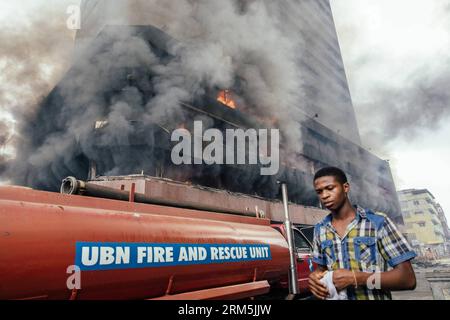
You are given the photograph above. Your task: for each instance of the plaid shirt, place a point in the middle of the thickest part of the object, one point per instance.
(371, 243)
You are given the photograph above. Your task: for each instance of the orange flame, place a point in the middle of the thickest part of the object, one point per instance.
(225, 98)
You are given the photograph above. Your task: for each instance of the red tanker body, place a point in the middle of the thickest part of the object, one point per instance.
(128, 250)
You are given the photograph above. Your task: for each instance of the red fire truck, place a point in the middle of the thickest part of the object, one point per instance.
(96, 242)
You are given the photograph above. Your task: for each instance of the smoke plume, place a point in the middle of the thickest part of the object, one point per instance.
(423, 104)
(134, 86)
(221, 41)
(34, 53)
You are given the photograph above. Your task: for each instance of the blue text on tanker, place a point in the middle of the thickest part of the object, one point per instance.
(108, 256)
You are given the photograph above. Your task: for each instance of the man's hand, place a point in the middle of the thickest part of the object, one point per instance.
(402, 277)
(317, 288)
(343, 278)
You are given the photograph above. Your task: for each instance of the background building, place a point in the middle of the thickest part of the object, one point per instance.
(423, 222)
(444, 223)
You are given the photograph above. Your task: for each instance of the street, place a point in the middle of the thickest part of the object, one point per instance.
(423, 289)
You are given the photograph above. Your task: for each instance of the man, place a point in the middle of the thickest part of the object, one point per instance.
(369, 257)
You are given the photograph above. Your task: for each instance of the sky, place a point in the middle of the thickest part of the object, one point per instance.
(397, 58)
(391, 48)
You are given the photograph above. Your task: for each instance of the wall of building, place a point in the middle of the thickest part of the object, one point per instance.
(328, 98)
(443, 220)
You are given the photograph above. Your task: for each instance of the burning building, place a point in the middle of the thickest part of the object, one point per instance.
(142, 69)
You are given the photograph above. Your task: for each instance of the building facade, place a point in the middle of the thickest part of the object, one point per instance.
(424, 226)
(444, 222)
(113, 81)
(308, 23)
(328, 97)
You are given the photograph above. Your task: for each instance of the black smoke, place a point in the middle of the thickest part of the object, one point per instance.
(403, 113)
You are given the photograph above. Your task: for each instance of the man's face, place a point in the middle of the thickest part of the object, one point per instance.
(331, 192)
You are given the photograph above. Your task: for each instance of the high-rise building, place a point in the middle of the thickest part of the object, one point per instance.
(116, 81)
(423, 222)
(327, 97)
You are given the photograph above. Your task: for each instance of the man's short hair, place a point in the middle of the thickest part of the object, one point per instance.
(331, 172)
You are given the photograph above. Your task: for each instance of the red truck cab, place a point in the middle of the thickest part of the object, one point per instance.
(304, 253)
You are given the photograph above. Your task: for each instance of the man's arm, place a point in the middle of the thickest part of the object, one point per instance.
(402, 277)
(317, 288)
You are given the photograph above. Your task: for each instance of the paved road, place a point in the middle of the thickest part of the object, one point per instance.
(423, 289)
(422, 292)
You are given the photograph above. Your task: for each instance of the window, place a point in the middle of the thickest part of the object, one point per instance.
(301, 244)
(308, 232)
(431, 211)
(421, 224)
(416, 202)
(418, 212)
(438, 234)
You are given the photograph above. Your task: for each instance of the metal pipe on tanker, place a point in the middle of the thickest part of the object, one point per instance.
(71, 185)
(293, 276)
